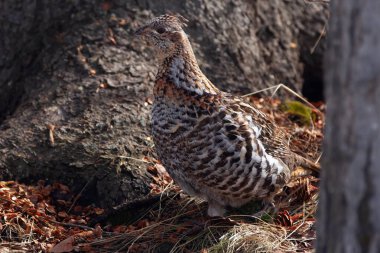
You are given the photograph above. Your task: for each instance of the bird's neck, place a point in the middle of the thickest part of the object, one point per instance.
(182, 70)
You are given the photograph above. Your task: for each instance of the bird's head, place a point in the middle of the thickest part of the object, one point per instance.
(164, 34)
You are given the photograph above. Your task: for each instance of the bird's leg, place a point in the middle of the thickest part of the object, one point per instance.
(215, 209)
(269, 205)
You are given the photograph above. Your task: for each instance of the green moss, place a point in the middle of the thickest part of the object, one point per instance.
(304, 113)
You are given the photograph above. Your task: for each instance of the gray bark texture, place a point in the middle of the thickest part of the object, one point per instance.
(74, 65)
(349, 207)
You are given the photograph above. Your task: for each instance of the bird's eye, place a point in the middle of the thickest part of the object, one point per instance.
(161, 30)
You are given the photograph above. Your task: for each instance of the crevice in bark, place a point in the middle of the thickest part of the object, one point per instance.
(365, 236)
(15, 89)
(27, 30)
(312, 75)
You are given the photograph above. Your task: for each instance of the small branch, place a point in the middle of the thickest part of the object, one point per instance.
(323, 32)
(79, 194)
(71, 225)
(277, 87)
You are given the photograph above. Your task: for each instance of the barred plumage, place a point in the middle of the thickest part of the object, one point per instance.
(213, 144)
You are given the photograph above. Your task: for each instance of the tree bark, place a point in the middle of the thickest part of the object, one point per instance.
(74, 66)
(27, 28)
(350, 191)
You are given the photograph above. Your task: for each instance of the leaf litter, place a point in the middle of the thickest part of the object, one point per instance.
(46, 218)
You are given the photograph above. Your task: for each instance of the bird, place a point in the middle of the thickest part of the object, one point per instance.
(214, 145)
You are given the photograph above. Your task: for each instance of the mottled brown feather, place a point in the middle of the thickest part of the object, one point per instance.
(213, 144)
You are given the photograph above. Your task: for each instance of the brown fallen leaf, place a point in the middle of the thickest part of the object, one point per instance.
(51, 129)
(62, 214)
(64, 246)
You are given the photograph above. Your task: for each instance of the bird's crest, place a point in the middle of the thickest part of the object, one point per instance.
(175, 21)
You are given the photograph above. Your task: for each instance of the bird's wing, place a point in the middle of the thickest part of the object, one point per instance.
(229, 155)
(275, 140)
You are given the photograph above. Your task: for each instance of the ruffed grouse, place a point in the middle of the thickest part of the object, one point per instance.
(214, 145)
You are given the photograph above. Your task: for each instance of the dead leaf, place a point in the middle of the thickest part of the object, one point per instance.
(98, 211)
(123, 22)
(111, 36)
(106, 6)
(62, 214)
(92, 72)
(64, 246)
(293, 45)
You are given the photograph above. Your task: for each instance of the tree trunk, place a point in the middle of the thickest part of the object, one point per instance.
(73, 65)
(349, 206)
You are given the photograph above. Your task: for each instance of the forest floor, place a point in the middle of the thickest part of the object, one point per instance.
(50, 217)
